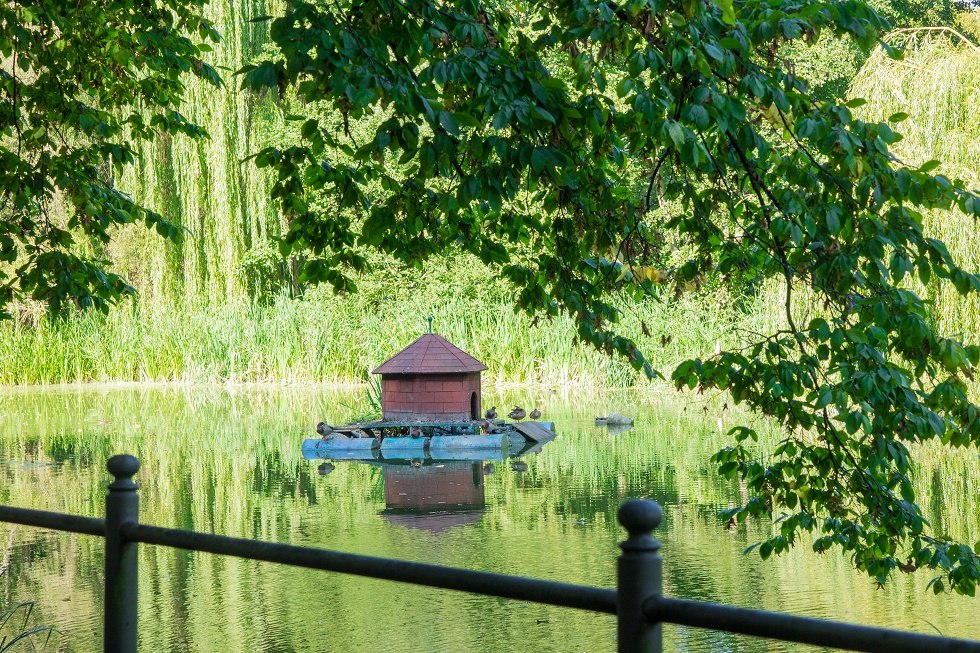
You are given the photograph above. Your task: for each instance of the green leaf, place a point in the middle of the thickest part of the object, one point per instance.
(677, 134)
(907, 493)
(263, 76)
(833, 223)
(765, 549)
(714, 51)
(727, 11)
(538, 160)
(540, 112)
(448, 122)
(624, 86)
(825, 399)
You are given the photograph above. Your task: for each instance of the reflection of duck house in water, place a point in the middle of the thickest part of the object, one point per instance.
(434, 497)
(431, 405)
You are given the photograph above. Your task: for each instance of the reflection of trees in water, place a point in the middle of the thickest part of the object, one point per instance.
(232, 464)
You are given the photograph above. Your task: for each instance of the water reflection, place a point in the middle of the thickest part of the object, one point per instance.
(617, 429)
(434, 495)
(431, 493)
(230, 462)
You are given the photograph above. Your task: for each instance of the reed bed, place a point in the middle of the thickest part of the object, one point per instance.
(329, 339)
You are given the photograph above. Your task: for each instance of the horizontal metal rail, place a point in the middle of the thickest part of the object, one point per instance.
(53, 520)
(418, 573)
(804, 630)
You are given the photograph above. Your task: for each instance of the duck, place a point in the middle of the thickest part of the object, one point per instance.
(535, 414)
(517, 414)
(324, 429)
(492, 413)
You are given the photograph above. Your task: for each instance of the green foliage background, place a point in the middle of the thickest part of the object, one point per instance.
(222, 305)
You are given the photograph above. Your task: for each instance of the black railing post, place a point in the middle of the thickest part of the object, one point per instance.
(640, 576)
(121, 507)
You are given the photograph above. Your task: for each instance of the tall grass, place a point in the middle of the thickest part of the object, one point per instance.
(14, 632)
(325, 338)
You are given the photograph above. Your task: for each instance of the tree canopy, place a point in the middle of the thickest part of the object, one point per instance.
(80, 85)
(557, 141)
(560, 143)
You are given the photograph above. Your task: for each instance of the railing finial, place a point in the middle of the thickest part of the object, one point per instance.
(123, 467)
(640, 517)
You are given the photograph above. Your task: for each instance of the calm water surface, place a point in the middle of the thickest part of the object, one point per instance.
(230, 462)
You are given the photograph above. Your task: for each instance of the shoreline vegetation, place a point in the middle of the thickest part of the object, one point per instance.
(338, 340)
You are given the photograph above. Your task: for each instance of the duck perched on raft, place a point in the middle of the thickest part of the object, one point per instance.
(492, 413)
(535, 414)
(517, 414)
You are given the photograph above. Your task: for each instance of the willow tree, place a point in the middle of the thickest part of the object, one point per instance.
(518, 132)
(81, 83)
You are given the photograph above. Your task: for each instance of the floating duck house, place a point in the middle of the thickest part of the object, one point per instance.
(431, 380)
(431, 410)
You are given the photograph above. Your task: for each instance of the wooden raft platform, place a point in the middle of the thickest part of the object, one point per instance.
(411, 440)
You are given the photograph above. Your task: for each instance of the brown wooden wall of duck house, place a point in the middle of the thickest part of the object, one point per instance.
(430, 397)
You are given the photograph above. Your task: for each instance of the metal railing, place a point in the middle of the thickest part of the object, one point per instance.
(637, 602)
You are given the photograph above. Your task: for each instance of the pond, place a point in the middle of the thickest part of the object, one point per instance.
(229, 461)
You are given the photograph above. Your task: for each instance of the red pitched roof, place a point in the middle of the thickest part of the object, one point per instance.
(430, 354)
